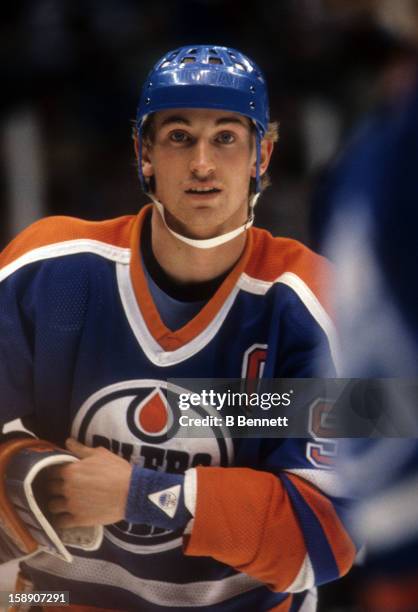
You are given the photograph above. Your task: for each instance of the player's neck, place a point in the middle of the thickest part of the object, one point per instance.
(185, 263)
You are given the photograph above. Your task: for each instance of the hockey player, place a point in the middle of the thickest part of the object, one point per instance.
(97, 316)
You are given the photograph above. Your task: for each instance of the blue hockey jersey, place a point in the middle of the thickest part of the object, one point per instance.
(84, 352)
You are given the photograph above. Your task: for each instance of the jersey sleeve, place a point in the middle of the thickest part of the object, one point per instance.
(23, 295)
(16, 333)
(280, 529)
(42, 303)
(16, 358)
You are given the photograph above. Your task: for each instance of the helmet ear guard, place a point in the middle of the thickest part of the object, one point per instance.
(210, 77)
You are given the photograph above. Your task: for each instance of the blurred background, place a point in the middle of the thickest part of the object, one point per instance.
(71, 76)
(72, 71)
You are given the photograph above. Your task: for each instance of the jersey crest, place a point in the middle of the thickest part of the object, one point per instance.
(139, 420)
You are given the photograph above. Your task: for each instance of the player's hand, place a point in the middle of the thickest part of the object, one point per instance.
(92, 491)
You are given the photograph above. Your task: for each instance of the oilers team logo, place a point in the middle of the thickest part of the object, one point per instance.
(139, 421)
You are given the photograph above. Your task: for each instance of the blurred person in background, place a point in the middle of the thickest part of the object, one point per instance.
(367, 204)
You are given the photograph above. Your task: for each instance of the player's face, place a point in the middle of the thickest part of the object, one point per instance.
(202, 162)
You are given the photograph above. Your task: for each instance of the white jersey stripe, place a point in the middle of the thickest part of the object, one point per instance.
(305, 578)
(310, 602)
(325, 480)
(308, 298)
(68, 247)
(157, 592)
(155, 353)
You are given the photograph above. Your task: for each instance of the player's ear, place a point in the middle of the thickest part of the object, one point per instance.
(266, 151)
(147, 169)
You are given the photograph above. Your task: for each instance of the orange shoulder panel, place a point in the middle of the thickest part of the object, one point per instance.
(52, 230)
(271, 257)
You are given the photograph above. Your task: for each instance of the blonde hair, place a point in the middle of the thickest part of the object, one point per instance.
(271, 135)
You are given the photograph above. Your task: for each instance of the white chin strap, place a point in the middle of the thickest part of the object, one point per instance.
(209, 243)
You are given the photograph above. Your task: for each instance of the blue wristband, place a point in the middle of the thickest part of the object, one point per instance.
(157, 499)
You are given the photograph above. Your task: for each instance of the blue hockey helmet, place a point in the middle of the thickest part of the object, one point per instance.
(206, 76)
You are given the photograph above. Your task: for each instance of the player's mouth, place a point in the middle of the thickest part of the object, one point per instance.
(203, 192)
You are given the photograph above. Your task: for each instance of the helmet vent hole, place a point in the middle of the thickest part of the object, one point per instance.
(240, 66)
(165, 64)
(215, 60)
(192, 50)
(188, 60)
(213, 51)
(173, 55)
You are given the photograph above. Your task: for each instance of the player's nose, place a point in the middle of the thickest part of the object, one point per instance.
(202, 163)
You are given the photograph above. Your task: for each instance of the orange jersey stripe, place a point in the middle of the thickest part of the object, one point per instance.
(340, 542)
(171, 340)
(53, 230)
(271, 257)
(245, 519)
(264, 258)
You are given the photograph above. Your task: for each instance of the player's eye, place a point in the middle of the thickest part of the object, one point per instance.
(225, 138)
(179, 136)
